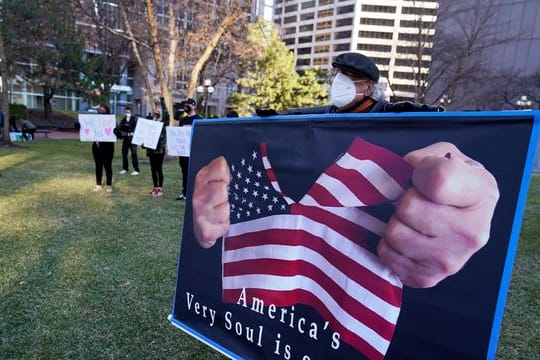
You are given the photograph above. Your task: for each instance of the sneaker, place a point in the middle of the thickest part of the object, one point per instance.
(122, 172)
(135, 173)
(109, 189)
(181, 197)
(153, 192)
(159, 192)
(97, 188)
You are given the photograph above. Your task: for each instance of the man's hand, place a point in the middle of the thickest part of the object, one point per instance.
(211, 202)
(442, 220)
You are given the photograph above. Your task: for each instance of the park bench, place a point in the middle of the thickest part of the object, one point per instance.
(43, 130)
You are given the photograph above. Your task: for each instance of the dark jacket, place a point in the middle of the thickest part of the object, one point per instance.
(127, 128)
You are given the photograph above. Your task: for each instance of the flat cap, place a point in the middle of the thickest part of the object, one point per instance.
(358, 64)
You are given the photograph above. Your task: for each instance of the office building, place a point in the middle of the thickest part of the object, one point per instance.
(396, 34)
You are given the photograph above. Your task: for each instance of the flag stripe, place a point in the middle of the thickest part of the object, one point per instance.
(323, 302)
(361, 264)
(268, 253)
(399, 169)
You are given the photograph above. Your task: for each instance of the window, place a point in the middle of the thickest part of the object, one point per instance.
(289, 30)
(323, 37)
(289, 19)
(342, 47)
(375, 35)
(414, 50)
(324, 25)
(415, 37)
(418, 11)
(303, 62)
(290, 41)
(342, 35)
(379, 9)
(320, 61)
(380, 61)
(304, 28)
(379, 22)
(307, 5)
(303, 51)
(325, 2)
(321, 49)
(411, 62)
(345, 9)
(374, 47)
(308, 16)
(325, 13)
(416, 24)
(291, 8)
(305, 39)
(344, 22)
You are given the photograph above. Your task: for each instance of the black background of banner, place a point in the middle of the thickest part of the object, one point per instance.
(450, 321)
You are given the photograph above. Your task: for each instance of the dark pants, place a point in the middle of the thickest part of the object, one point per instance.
(28, 132)
(156, 168)
(103, 153)
(126, 147)
(184, 162)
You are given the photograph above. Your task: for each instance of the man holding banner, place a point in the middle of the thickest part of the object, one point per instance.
(444, 205)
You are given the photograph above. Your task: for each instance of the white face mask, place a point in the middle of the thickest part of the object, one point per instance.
(343, 90)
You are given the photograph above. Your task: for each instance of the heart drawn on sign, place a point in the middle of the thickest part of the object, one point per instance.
(108, 131)
(86, 131)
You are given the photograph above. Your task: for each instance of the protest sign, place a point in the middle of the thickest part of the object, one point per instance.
(178, 140)
(97, 127)
(297, 276)
(147, 133)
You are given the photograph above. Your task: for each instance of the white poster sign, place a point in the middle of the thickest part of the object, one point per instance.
(97, 127)
(147, 133)
(178, 140)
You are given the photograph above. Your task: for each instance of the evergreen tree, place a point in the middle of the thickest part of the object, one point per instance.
(270, 80)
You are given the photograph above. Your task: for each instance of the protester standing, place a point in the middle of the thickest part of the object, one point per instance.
(157, 155)
(103, 153)
(186, 114)
(127, 129)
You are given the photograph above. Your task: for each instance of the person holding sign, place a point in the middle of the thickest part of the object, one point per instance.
(103, 153)
(186, 114)
(157, 155)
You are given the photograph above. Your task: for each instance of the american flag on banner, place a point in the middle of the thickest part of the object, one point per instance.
(319, 251)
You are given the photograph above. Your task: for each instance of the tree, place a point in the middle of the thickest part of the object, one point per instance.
(270, 80)
(47, 46)
(173, 41)
(468, 32)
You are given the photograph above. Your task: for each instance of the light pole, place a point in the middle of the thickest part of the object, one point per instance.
(206, 89)
(445, 101)
(524, 103)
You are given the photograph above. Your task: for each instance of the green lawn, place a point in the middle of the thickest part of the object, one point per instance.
(92, 275)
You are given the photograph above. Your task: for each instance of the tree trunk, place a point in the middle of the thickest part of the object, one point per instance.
(225, 24)
(48, 94)
(4, 99)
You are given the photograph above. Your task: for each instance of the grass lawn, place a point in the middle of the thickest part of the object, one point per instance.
(92, 275)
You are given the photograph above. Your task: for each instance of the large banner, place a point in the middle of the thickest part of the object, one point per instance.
(298, 273)
(97, 127)
(147, 133)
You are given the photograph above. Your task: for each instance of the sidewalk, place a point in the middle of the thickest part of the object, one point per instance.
(58, 135)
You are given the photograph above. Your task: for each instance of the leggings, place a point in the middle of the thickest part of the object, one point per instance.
(156, 168)
(103, 153)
